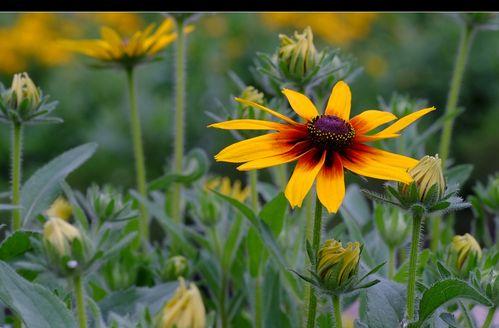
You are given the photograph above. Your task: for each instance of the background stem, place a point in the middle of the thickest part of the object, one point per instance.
(138, 151)
(80, 301)
(413, 261)
(17, 139)
(316, 240)
(391, 262)
(337, 311)
(179, 119)
(489, 318)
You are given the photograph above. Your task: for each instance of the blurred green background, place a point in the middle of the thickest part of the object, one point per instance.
(410, 54)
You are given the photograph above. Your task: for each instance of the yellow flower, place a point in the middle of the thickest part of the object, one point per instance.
(335, 28)
(61, 209)
(336, 265)
(184, 310)
(24, 90)
(223, 186)
(59, 234)
(140, 47)
(466, 247)
(322, 144)
(426, 174)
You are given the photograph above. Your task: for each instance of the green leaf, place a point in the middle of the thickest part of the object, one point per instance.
(261, 228)
(40, 189)
(444, 291)
(273, 213)
(403, 270)
(458, 174)
(130, 301)
(383, 304)
(35, 304)
(16, 244)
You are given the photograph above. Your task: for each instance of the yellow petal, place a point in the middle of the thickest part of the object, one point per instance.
(268, 110)
(331, 184)
(340, 101)
(248, 124)
(303, 177)
(403, 122)
(370, 119)
(301, 104)
(382, 156)
(291, 155)
(111, 36)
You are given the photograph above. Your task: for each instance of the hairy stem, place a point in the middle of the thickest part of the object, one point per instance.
(17, 141)
(138, 152)
(489, 318)
(337, 311)
(80, 301)
(316, 240)
(417, 221)
(179, 119)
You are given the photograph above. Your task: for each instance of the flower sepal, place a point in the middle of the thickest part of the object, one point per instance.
(25, 103)
(337, 268)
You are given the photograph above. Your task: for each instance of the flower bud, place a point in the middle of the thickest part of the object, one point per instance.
(428, 173)
(252, 94)
(337, 266)
(61, 209)
(465, 250)
(223, 186)
(59, 235)
(298, 56)
(184, 310)
(392, 225)
(175, 267)
(24, 93)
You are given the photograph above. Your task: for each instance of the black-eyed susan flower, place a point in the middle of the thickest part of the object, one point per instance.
(113, 48)
(323, 145)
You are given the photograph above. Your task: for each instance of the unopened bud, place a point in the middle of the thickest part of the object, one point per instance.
(466, 250)
(176, 266)
(61, 209)
(298, 55)
(59, 235)
(428, 173)
(336, 265)
(24, 93)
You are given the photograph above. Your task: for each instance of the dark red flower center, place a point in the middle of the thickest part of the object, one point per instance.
(331, 131)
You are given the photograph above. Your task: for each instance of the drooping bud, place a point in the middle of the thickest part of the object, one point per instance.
(61, 209)
(392, 225)
(336, 265)
(59, 235)
(465, 251)
(427, 174)
(24, 94)
(298, 55)
(184, 310)
(175, 267)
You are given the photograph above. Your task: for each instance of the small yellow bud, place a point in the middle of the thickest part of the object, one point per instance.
(337, 265)
(184, 310)
(298, 54)
(426, 174)
(252, 94)
(59, 234)
(23, 89)
(60, 208)
(465, 247)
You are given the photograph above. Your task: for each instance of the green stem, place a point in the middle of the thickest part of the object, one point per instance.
(391, 262)
(253, 179)
(466, 315)
(337, 311)
(138, 151)
(179, 119)
(316, 240)
(223, 293)
(258, 303)
(17, 141)
(489, 318)
(80, 301)
(455, 87)
(435, 233)
(413, 261)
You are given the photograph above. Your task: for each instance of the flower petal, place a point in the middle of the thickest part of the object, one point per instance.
(340, 101)
(303, 177)
(382, 156)
(370, 119)
(268, 110)
(405, 121)
(301, 104)
(291, 155)
(331, 183)
(249, 124)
